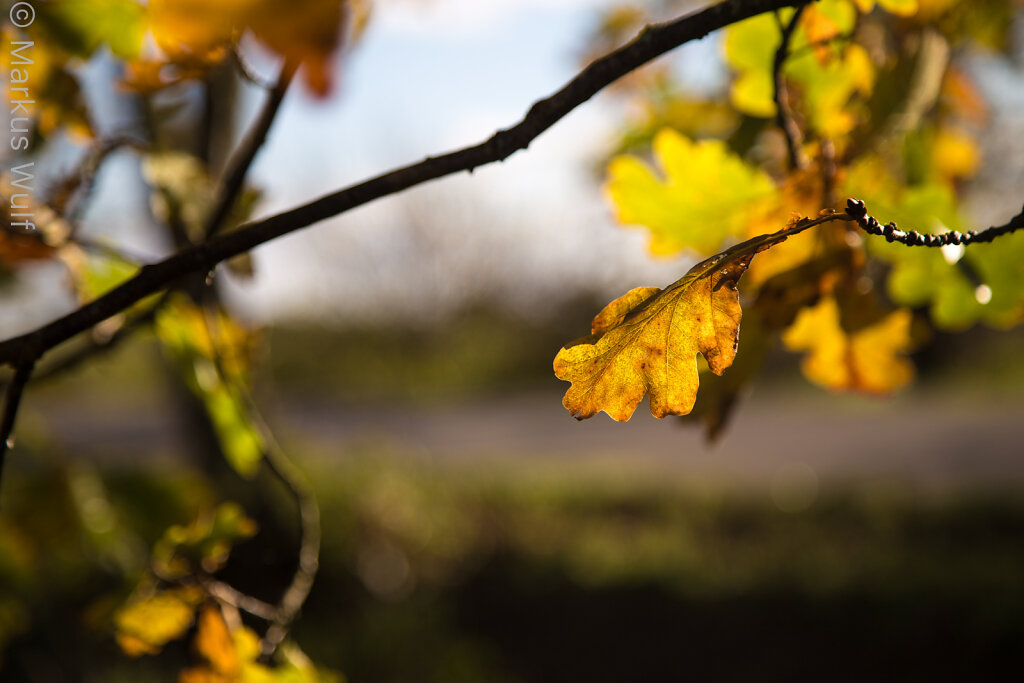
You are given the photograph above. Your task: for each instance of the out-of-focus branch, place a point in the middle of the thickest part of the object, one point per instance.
(923, 89)
(243, 157)
(98, 347)
(12, 400)
(231, 596)
(652, 42)
(784, 114)
(295, 595)
(278, 463)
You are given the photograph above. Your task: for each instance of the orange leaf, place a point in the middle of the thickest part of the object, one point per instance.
(213, 641)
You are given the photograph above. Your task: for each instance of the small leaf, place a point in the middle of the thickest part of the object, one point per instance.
(870, 360)
(708, 193)
(81, 26)
(145, 626)
(214, 643)
(204, 543)
(646, 341)
(213, 352)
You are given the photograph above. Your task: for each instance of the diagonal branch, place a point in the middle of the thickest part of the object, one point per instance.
(239, 164)
(278, 463)
(784, 114)
(856, 209)
(12, 399)
(652, 42)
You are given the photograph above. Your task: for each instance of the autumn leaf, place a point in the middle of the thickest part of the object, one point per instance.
(707, 194)
(146, 625)
(869, 360)
(214, 351)
(231, 656)
(204, 543)
(199, 33)
(82, 26)
(646, 341)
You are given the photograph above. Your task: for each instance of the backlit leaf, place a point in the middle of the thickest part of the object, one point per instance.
(870, 359)
(145, 626)
(231, 656)
(204, 543)
(646, 342)
(214, 352)
(826, 77)
(750, 50)
(705, 194)
(82, 26)
(199, 33)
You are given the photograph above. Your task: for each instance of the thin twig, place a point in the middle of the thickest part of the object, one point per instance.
(829, 169)
(278, 463)
(230, 595)
(90, 167)
(12, 400)
(652, 42)
(784, 114)
(247, 72)
(911, 238)
(824, 42)
(295, 595)
(240, 162)
(108, 250)
(97, 347)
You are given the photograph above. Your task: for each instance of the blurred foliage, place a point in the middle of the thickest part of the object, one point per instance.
(464, 573)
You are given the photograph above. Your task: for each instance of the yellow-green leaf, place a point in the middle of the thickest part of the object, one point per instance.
(646, 342)
(826, 77)
(145, 626)
(704, 194)
(213, 352)
(750, 50)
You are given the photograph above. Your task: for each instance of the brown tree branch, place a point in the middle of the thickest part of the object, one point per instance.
(783, 113)
(240, 162)
(652, 42)
(911, 238)
(12, 400)
(278, 463)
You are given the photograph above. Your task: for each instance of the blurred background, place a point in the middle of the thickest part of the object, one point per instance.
(474, 531)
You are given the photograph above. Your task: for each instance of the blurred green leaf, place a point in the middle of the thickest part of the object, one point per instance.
(82, 26)
(204, 543)
(213, 353)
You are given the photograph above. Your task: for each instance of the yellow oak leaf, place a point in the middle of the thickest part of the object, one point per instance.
(870, 360)
(646, 342)
(708, 193)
